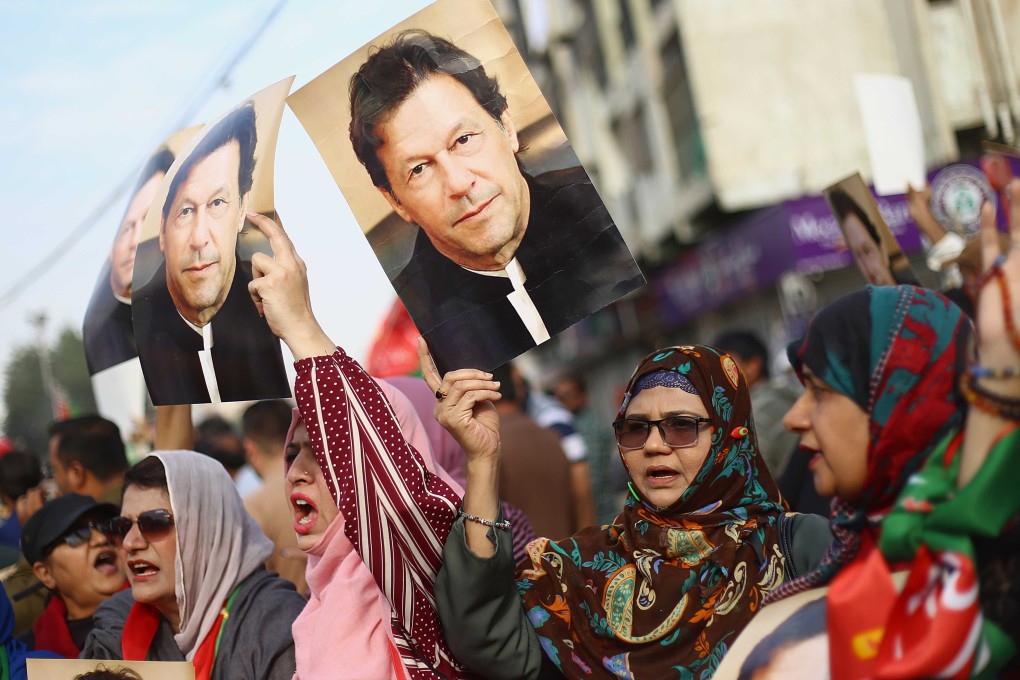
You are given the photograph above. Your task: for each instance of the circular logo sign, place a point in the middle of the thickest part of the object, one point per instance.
(957, 194)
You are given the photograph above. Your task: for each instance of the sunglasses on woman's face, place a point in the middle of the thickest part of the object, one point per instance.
(81, 535)
(153, 525)
(677, 431)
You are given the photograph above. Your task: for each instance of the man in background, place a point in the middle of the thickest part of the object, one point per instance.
(87, 456)
(265, 425)
(608, 476)
(534, 474)
(769, 400)
(218, 439)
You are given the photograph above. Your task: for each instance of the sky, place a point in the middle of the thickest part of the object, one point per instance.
(89, 90)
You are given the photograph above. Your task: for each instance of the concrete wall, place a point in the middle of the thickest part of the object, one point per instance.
(773, 88)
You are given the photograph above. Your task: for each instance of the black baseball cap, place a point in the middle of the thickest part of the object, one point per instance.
(53, 520)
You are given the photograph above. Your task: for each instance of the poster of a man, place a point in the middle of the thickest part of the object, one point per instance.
(200, 337)
(502, 242)
(107, 333)
(93, 669)
(868, 237)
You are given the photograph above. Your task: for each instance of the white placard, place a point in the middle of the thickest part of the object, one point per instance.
(892, 128)
(120, 395)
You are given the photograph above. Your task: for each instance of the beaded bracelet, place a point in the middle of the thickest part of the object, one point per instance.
(989, 402)
(503, 526)
(978, 371)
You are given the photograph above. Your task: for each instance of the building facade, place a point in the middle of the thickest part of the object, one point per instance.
(710, 129)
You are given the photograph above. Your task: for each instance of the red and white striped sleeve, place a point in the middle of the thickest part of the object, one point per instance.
(398, 513)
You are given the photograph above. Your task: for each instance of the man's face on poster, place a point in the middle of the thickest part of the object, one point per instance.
(871, 257)
(122, 255)
(452, 171)
(200, 233)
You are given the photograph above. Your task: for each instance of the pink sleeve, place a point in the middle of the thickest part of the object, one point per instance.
(398, 512)
(414, 431)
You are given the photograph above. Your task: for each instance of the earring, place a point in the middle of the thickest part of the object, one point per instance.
(633, 492)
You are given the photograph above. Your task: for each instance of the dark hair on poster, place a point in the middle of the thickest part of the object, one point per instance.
(237, 126)
(843, 205)
(394, 71)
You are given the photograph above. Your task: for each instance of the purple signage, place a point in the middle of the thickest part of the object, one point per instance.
(797, 235)
(725, 266)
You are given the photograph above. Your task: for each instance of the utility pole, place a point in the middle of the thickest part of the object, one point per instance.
(38, 320)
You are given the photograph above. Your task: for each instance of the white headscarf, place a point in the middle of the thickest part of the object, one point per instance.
(218, 542)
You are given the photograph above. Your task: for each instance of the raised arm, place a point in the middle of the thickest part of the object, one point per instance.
(464, 407)
(397, 512)
(998, 341)
(477, 598)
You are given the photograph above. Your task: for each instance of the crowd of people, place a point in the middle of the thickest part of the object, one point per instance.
(465, 524)
(398, 565)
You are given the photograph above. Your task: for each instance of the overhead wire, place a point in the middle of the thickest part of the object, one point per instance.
(218, 80)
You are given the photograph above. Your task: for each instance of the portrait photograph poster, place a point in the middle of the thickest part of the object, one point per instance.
(106, 330)
(200, 338)
(107, 333)
(569, 261)
(866, 234)
(69, 669)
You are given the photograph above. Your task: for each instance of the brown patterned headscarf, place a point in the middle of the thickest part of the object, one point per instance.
(665, 592)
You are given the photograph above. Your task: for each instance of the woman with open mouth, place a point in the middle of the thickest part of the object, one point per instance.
(199, 591)
(669, 584)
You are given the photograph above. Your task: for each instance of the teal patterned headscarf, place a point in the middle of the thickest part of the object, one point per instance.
(896, 352)
(664, 592)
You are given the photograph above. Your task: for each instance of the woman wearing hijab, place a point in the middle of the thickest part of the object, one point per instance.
(887, 384)
(665, 590)
(199, 590)
(370, 506)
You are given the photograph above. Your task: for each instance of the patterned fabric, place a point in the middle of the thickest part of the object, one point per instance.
(397, 513)
(895, 351)
(664, 379)
(667, 590)
(936, 523)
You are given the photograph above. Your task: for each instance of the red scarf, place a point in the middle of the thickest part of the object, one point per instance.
(140, 629)
(52, 633)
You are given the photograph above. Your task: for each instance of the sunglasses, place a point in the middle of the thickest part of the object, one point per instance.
(676, 431)
(80, 536)
(153, 525)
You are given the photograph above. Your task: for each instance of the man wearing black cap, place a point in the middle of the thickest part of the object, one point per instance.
(74, 559)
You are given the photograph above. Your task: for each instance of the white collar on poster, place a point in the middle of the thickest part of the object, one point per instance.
(519, 298)
(205, 357)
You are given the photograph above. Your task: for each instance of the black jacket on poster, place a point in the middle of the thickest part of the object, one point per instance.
(246, 355)
(574, 259)
(107, 334)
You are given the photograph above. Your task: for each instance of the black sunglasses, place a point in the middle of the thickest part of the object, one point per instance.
(153, 524)
(676, 431)
(80, 536)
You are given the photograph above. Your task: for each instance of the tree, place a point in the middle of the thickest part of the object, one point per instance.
(70, 371)
(29, 411)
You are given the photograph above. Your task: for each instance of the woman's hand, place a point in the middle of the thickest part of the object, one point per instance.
(464, 407)
(466, 410)
(995, 347)
(279, 289)
(919, 207)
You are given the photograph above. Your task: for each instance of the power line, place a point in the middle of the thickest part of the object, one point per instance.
(220, 79)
